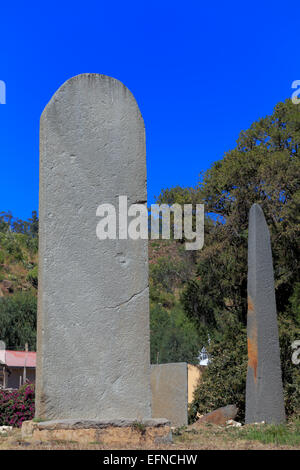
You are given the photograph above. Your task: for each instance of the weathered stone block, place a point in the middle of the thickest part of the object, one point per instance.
(169, 385)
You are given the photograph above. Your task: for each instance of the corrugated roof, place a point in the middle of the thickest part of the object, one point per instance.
(20, 358)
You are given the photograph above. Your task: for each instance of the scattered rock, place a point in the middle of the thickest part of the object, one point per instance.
(232, 423)
(219, 416)
(5, 429)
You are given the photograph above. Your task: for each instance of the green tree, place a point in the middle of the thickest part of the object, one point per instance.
(173, 337)
(18, 320)
(264, 168)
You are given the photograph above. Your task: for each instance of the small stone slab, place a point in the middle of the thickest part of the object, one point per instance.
(107, 432)
(169, 386)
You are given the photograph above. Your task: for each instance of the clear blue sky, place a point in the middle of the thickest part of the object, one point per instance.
(200, 71)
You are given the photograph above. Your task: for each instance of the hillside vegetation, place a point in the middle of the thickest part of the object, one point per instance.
(18, 280)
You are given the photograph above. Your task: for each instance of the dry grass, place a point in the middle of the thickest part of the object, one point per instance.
(206, 437)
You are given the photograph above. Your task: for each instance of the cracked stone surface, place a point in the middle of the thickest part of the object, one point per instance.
(264, 391)
(93, 312)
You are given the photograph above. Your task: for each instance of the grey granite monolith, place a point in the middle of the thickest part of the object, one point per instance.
(93, 313)
(264, 391)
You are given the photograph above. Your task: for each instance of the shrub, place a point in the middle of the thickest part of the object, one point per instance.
(17, 406)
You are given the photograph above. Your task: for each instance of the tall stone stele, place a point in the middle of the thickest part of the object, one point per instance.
(93, 313)
(264, 391)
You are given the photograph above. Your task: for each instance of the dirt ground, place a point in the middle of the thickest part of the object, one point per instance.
(206, 437)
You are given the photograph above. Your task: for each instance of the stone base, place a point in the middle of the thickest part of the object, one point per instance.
(106, 432)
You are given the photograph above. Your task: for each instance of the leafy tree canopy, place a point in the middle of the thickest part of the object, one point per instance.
(18, 320)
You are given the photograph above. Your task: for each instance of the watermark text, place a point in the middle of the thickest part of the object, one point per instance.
(2, 92)
(163, 221)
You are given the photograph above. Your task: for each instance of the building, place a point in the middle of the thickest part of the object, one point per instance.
(16, 368)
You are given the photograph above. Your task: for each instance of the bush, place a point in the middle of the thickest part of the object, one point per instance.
(17, 406)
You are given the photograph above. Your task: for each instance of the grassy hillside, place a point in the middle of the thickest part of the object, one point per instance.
(18, 254)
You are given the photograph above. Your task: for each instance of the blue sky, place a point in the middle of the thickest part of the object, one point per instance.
(200, 72)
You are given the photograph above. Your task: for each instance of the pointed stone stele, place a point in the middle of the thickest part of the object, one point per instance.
(93, 362)
(264, 391)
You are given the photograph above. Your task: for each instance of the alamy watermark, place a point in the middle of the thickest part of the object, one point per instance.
(295, 99)
(187, 222)
(2, 92)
